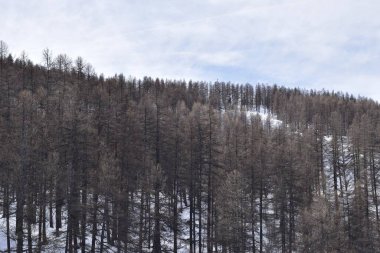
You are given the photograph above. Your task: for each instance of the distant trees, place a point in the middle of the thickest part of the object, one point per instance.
(3, 55)
(95, 164)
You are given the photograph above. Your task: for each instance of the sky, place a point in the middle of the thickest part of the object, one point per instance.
(311, 44)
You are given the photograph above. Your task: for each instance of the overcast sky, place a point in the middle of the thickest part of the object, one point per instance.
(330, 44)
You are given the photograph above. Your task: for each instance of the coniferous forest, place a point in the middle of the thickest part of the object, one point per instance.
(90, 163)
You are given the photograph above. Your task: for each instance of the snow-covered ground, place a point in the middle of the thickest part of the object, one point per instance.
(263, 113)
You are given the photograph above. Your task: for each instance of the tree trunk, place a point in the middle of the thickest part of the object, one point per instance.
(94, 222)
(157, 228)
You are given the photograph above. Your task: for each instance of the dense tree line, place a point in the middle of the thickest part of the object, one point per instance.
(95, 164)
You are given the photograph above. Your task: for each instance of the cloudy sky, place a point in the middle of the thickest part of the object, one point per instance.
(330, 44)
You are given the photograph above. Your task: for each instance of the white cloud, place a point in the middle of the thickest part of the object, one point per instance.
(311, 43)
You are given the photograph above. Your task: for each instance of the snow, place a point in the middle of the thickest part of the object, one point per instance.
(263, 114)
(3, 233)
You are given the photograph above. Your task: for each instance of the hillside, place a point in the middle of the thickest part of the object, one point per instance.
(114, 164)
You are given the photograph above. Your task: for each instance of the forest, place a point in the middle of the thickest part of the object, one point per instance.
(90, 163)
